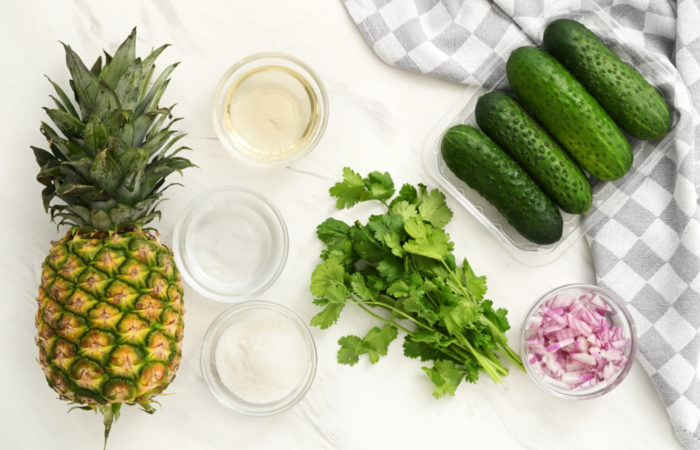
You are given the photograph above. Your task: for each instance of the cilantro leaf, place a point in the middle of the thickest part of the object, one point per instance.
(415, 227)
(421, 350)
(327, 280)
(475, 285)
(386, 227)
(349, 350)
(407, 194)
(391, 269)
(365, 245)
(471, 365)
(498, 317)
(380, 186)
(385, 224)
(341, 251)
(376, 342)
(459, 317)
(328, 316)
(393, 241)
(446, 376)
(435, 244)
(398, 289)
(350, 190)
(359, 287)
(433, 207)
(354, 189)
(404, 209)
(376, 283)
(331, 230)
(419, 305)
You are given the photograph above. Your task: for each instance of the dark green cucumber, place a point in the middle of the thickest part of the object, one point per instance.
(480, 162)
(510, 126)
(569, 113)
(635, 104)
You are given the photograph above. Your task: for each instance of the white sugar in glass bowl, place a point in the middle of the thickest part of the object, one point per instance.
(249, 376)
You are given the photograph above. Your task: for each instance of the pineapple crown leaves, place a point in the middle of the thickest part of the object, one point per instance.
(111, 148)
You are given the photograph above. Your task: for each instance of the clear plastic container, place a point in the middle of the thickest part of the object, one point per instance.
(646, 153)
(231, 244)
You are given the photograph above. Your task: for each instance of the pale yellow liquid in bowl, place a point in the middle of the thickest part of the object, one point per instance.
(271, 112)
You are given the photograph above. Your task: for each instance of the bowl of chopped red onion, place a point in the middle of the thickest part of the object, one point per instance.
(578, 341)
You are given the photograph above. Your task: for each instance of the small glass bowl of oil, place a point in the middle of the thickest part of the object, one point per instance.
(270, 109)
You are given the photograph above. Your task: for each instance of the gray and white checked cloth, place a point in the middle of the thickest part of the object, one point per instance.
(646, 238)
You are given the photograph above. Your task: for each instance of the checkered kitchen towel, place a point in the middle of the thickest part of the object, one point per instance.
(646, 239)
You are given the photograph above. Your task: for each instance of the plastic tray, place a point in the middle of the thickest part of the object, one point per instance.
(646, 153)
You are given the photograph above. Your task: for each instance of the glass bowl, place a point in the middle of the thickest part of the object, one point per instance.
(618, 316)
(298, 77)
(251, 310)
(230, 244)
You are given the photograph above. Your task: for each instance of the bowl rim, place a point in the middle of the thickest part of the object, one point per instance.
(208, 349)
(199, 202)
(303, 70)
(609, 297)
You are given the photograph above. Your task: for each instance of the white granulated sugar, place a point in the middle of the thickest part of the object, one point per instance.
(261, 359)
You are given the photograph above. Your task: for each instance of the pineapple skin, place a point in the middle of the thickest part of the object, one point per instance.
(110, 318)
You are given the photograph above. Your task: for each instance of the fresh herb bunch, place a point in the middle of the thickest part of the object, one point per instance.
(400, 269)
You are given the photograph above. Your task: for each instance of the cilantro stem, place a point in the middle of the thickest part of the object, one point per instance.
(456, 354)
(493, 370)
(512, 356)
(401, 313)
(386, 321)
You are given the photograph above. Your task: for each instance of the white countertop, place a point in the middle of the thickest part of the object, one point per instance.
(379, 117)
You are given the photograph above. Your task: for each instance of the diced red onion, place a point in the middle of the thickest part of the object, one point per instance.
(571, 339)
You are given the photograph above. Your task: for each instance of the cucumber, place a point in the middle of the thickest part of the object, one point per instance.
(636, 105)
(569, 113)
(482, 165)
(510, 126)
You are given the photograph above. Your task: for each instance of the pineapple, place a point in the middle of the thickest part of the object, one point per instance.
(110, 310)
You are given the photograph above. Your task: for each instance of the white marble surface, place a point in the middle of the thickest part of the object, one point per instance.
(379, 117)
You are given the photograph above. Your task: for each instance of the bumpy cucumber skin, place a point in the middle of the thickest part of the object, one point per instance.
(569, 113)
(481, 164)
(635, 104)
(510, 126)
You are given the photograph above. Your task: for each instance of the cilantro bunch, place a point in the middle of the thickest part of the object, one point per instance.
(399, 268)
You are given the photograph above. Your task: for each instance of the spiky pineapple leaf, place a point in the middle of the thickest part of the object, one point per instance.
(84, 83)
(43, 158)
(156, 91)
(106, 101)
(95, 136)
(67, 104)
(129, 85)
(148, 67)
(155, 142)
(105, 172)
(133, 159)
(69, 125)
(63, 149)
(97, 67)
(82, 166)
(121, 61)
